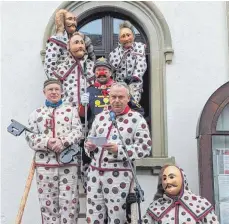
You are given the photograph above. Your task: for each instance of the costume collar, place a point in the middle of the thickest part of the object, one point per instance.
(126, 49)
(85, 57)
(125, 111)
(197, 206)
(53, 105)
(104, 86)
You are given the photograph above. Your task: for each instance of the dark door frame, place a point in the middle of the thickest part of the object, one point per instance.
(157, 31)
(107, 14)
(206, 128)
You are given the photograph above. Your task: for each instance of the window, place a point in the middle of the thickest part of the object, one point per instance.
(93, 30)
(103, 29)
(153, 30)
(213, 146)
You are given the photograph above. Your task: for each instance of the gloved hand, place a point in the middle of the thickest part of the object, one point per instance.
(84, 99)
(130, 199)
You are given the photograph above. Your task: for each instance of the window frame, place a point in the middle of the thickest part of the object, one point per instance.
(154, 25)
(206, 128)
(107, 28)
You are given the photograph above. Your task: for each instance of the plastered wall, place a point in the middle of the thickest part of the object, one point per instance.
(200, 66)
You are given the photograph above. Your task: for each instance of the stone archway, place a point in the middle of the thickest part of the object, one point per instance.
(157, 31)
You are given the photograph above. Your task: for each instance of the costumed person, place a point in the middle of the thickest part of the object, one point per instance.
(109, 174)
(76, 72)
(175, 203)
(55, 126)
(129, 60)
(97, 96)
(56, 46)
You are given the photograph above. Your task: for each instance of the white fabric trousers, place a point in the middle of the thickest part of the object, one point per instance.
(106, 196)
(58, 194)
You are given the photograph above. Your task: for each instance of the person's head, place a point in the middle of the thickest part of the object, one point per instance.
(126, 34)
(52, 90)
(172, 180)
(67, 19)
(119, 97)
(70, 22)
(102, 70)
(76, 45)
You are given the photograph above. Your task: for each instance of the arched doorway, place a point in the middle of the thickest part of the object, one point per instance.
(213, 149)
(103, 29)
(154, 30)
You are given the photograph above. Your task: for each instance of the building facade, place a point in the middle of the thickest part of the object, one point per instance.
(187, 57)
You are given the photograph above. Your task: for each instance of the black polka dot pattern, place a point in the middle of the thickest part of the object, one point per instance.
(55, 54)
(50, 189)
(112, 182)
(130, 66)
(135, 135)
(191, 209)
(106, 196)
(73, 81)
(53, 123)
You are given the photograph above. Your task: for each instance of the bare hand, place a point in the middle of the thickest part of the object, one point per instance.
(51, 142)
(90, 146)
(58, 146)
(59, 21)
(111, 147)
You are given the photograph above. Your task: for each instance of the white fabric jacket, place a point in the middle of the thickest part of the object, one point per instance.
(62, 122)
(73, 73)
(135, 133)
(130, 64)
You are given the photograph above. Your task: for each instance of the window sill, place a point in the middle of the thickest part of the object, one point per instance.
(153, 164)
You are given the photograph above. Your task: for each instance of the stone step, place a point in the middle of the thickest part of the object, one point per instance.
(82, 216)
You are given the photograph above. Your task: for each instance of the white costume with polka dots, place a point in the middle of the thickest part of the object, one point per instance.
(72, 74)
(130, 66)
(185, 208)
(109, 175)
(57, 183)
(56, 52)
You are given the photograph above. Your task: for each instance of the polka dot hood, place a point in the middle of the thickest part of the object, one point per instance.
(196, 206)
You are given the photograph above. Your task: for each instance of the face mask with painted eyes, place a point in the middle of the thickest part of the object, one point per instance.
(172, 180)
(77, 46)
(70, 23)
(126, 37)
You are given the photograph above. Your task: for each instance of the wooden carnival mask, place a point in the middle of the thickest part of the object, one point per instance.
(126, 37)
(77, 46)
(70, 23)
(172, 180)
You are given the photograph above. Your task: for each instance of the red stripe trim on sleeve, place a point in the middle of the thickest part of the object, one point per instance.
(58, 42)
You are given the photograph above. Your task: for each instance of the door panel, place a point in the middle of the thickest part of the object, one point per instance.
(103, 29)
